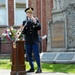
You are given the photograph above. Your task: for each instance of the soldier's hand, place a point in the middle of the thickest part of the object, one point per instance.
(21, 26)
(33, 19)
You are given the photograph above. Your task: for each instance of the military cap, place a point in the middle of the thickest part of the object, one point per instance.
(30, 9)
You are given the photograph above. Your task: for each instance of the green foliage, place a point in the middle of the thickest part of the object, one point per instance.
(66, 68)
(5, 64)
(10, 34)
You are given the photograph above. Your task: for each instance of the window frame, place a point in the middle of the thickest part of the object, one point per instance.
(6, 12)
(15, 11)
(6, 7)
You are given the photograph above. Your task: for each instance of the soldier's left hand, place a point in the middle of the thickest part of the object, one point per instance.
(33, 19)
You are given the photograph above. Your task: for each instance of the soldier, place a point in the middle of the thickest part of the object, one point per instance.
(30, 31)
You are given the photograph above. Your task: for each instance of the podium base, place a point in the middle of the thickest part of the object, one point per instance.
(18, 65)
(18, 68)
(18, 73)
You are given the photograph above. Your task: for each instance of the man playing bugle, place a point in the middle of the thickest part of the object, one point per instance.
(30, 31)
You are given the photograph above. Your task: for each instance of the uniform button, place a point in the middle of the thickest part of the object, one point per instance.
(26, 27)
(30, 30)
(33, 26)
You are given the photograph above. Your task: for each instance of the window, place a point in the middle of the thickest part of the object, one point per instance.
(3, 12)
(19, 8)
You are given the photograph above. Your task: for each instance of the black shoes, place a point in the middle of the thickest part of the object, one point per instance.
(39, 71)
(31, 70)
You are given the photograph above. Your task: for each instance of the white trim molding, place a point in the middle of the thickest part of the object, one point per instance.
(14, 12)
(6, 12)
(15, 22)
(26, 3)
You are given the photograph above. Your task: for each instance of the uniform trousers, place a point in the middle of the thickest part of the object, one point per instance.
(33, 48)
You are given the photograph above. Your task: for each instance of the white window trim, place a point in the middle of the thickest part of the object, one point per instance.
(15, 11)
(26, 3)
(6, 12)
(6, 6)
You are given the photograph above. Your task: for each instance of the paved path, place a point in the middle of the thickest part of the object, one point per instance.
(7, 72)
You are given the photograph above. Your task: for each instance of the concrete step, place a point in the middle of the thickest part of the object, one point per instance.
(58, 57)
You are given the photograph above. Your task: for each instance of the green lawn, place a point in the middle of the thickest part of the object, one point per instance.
(65, 68)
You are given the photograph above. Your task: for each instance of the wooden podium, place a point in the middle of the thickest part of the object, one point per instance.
(17, 58)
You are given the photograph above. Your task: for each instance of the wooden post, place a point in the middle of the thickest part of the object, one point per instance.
(18, 66)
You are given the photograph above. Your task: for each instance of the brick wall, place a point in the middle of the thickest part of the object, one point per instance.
(42, 10)
(6, 47)
(46, 16)
(11, 12)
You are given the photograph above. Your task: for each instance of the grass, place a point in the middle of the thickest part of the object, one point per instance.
(5, 64)
(65, 68)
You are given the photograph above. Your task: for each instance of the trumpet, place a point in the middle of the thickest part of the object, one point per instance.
(19, 32)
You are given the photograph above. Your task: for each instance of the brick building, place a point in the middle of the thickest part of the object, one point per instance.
(12, 14)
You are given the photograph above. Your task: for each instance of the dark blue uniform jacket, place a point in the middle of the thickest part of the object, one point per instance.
(31, 31)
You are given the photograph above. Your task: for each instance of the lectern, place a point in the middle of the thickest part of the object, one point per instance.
(17, 58)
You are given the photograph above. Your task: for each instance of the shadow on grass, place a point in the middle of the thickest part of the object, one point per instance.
(64, 68)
